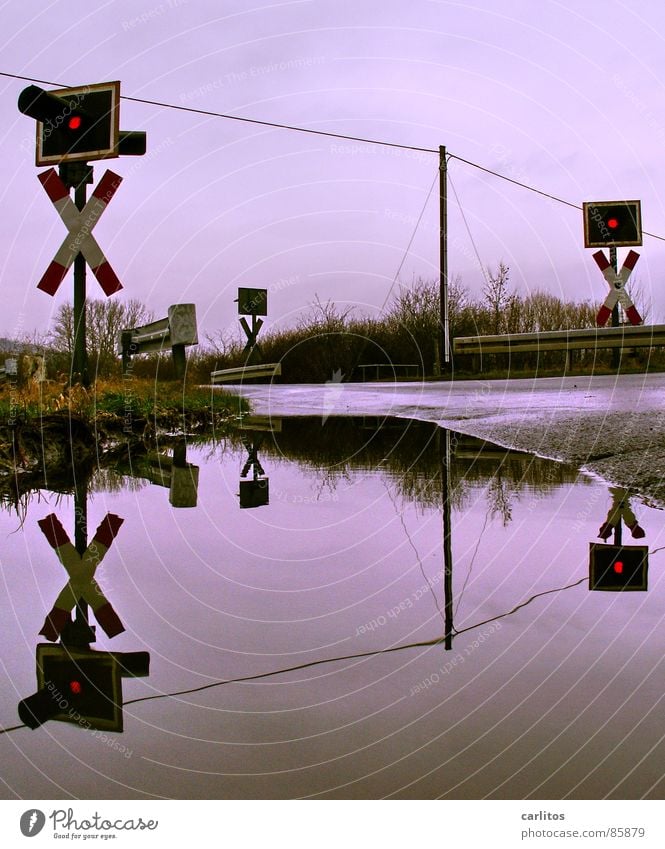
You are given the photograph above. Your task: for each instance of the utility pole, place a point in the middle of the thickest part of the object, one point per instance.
(444, 453)
(444, 346)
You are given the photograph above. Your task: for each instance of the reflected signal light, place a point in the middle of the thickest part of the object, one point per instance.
(618, 567)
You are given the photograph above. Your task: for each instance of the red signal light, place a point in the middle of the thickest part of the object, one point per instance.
(618, 567)
(75, 687)
(74, 123)
(612, 223)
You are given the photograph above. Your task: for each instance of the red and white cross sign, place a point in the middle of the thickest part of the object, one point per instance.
(80, 225)
(617, 292)
(81, 570)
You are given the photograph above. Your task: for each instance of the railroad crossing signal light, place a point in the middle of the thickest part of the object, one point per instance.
(615, 568)
(74, 123)
(81, 686)
(79, 124)
(611, 224)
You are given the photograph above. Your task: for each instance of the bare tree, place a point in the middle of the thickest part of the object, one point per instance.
(497, 296)
(104, 321)
(325, 318)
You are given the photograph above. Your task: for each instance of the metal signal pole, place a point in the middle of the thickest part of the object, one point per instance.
(616, 352)
(76, 175)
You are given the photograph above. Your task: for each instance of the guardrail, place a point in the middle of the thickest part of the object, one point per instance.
(407, 369)
(231, 375)
(175, 331)
(626, 336)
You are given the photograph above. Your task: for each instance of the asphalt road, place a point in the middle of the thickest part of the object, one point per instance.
(611, 426)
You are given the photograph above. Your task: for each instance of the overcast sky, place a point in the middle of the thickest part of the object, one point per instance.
(566, 96)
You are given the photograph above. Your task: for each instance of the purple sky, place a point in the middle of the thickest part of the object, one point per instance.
(567, 96)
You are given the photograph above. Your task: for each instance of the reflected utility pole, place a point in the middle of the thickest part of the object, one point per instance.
(444, 452)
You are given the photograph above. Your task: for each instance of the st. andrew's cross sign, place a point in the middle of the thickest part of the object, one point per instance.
(618, 294)
(79, 239)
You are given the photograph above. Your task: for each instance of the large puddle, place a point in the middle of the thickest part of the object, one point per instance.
(347, 608)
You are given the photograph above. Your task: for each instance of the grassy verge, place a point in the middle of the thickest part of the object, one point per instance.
(127, 401)
(48, 427)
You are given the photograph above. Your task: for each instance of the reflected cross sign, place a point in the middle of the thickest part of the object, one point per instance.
(81, 570)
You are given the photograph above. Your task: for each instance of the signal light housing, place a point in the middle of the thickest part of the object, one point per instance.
(81, 686)
(612, 223)
(79, 124)
(74, 124)
(616, 568)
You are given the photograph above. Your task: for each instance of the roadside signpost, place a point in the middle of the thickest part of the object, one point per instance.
(612, 224)
(254, 303)
(75, 126)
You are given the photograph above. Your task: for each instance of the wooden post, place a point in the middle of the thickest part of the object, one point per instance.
(179, 360)
(126, 345)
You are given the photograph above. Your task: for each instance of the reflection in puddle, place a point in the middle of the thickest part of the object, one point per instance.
(353, 608)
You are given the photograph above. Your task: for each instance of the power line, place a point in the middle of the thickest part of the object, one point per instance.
(515, 182)
(211, 114)
(342, 136)
(359, 656)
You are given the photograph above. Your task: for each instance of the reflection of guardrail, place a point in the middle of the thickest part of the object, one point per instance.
(393, 369)
(626, 336)
(230, 375)
(175, 331)
(260, 424)
(178, 476)
(172, 472)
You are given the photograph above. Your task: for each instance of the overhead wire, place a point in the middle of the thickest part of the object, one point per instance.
(424, 644)
(359, 656)
(325, 133)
